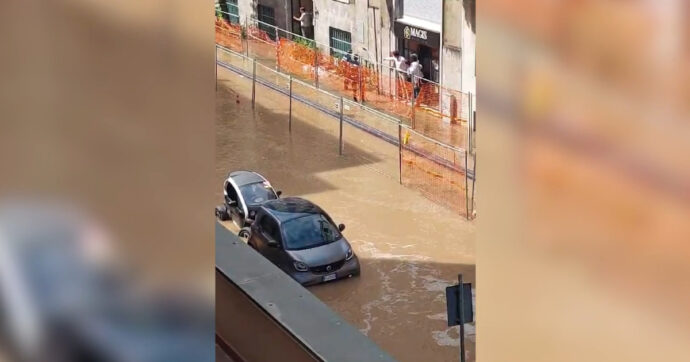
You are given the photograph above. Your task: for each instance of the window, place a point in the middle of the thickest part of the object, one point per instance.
(267, 20)
(340, 41)
(229, 10)
(309, 231)
(257, 193)
(270, 228)
(232, 194)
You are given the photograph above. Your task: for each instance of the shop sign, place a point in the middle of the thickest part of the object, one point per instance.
(410, 32)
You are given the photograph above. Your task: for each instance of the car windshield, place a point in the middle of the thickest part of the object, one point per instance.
(309, 231)
(256, 193)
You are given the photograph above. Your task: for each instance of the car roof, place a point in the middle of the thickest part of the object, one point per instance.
(242, 178)
(289, 208)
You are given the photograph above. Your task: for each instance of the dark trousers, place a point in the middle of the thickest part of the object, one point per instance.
(306, 32)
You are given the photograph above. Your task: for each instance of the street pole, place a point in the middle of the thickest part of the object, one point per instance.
(341, 126)
(462, 320)
(253, 82)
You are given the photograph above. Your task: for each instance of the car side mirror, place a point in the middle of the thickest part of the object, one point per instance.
(232, 203)
(278, 193)
(341, 227)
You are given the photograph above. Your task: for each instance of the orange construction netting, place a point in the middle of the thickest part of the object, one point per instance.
(436, 170)
(229, 35)
(439, 112)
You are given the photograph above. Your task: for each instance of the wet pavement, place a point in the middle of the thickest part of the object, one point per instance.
(410, 248)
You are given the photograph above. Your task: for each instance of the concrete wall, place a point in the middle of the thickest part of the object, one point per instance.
(430, 10)
(247, 9)
(371, 27)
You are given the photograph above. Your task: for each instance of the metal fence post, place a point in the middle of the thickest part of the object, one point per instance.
(316, 66)
(414, 100)
(474, 179)
(467, 196)
(341, 126)
(470, 122)
(246, 37)
(400, 145)
(277, 49)
(253, 82)
(290, 107)
(360, 85)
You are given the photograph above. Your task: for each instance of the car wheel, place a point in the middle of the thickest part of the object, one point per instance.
(244, 234)
(222, 213)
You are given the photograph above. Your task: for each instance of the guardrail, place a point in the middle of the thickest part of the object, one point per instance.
(441, 172)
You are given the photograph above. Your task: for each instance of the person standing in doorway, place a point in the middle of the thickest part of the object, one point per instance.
(416, 75)
(305, 22)
(400, 72)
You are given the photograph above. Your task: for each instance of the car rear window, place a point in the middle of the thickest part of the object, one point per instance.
(309, 231)
(256, 193)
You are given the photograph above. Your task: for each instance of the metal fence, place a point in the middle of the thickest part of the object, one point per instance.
(441, 172)
(439, 112)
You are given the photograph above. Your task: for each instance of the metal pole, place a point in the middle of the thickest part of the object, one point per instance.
(462, 320)
(360, 85)
(474, 178)
(341, 126)
(246, 37)
(414, 100)
(253, 82)
(290, 109)
(215, 65)
(470, 121)
(316, 66)
(400, 145)
(467, 199)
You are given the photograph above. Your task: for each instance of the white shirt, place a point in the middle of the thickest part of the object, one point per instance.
(415, 69)
(305, 20)
(400, 64)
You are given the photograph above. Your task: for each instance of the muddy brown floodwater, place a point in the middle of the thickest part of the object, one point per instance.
(410, 248)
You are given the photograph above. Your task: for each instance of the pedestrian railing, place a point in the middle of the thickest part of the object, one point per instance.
(441, 172)
(439, 112)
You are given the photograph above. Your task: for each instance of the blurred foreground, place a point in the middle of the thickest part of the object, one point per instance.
(583, 115)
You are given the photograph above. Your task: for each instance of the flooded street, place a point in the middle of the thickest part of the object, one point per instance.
(410, 248)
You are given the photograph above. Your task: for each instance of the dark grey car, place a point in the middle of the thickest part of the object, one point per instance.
(301, 239)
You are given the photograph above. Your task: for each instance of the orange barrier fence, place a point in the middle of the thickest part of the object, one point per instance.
(229, 35)
(436, 170)
(439, 112)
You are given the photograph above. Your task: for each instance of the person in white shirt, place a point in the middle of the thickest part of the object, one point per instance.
(415, 73)
(305, 22)
(400, 70)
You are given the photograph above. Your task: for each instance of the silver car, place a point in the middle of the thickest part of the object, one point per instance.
(301, 239)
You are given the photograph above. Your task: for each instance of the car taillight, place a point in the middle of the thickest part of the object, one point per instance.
(299, 266)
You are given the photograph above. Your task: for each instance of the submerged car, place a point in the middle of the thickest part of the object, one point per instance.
(244, 191)
(302, 240)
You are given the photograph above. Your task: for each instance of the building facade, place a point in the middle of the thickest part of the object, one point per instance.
(441, 33)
